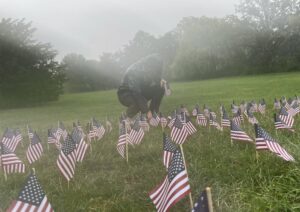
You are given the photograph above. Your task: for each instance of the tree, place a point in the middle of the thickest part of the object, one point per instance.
(28, 72)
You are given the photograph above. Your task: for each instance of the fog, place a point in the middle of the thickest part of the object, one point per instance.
(92, 27)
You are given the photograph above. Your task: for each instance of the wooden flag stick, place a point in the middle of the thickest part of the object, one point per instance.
(28, 133)
(33, 170)
(190, 194)
(209, 199)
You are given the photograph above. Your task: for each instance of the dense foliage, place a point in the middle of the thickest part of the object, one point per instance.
(28, 72)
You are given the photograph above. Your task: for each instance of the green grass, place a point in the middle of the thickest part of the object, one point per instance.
(104, 182)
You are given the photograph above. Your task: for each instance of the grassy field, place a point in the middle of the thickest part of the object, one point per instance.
(104, 182)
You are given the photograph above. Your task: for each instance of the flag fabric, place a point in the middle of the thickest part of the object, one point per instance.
(189, 126)
(237, 119)
(67, 158)
(52, 139)
(285, 117)
(81, 145)
(10, 162)
(183, 109)
(30, 132)
(251, 117)
(242, 107)
(206, 111)
(123, 138)
(234, 108)
(277, 104)
(98, 129)
(294, 110)
(163, 121)
(254, 105)
(143, 123)
(62, 130)
(31, 198)
(154, 121)
(195, 110)
(236, 133)
(204, 202)
(262, 106)
(168, 150)
(35, 149)
(201, 119)
(225, 122)
(179, 132)
(9, 139)
(213, 122)
(174, 187)
(136, 134)
(279, 124)
(267, 142)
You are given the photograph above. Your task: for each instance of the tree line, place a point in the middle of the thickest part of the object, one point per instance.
(261, 37)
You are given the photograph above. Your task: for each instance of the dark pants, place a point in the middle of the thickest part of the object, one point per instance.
(139, 103)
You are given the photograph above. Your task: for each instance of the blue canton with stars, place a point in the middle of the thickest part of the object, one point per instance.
(68, 146)
(168, 144)
(177, 165)
(32, 192)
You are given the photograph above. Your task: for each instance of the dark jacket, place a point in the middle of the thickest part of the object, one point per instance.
(142, 79)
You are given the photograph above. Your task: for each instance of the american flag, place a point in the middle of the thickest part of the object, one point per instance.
(277, 104)
(30, 132)
(294, 110)
(262, 106)
(254, 105)
(9, 139)
(213, 122)
(10, 162)
(265, 141)
(169, 149)
(174, 187)
(225, 122)
(123, 138)
(90, 132)
(163, 121)
(279, 124)
(179, 132)
(236, 133)
(195, 110)
(204, 202)
(242, 107)
(206, 111)
(98, 128)
(35, 149)
(214, 115)
(143, 123)
(78, 126)
(67, 158)
(172, 119)
(234, 108)
(183, 109)
(201, 119)
(285, 117)
(189, 126)
(62, 130)
(136, 134)
(237, 119)
(81, 145)
(251, 118)
(52, 139)
(31, 198)
(154, 121)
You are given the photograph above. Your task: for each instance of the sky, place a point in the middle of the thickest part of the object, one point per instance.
(91, 27)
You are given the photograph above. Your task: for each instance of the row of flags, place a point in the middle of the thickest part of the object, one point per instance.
(72, 147)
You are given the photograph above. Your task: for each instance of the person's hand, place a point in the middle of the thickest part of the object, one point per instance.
(162, 83)
(149, 115)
